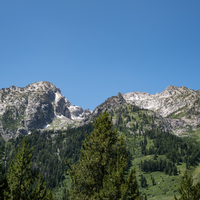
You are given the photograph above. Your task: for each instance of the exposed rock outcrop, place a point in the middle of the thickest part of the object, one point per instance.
(179, 104)
(110, 104)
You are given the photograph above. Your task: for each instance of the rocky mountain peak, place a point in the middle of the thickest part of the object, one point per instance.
(119, 95)
(180, 103)
(171, 97)
(110, 104)
(41, 86)
(171, 87)
(174, 91)
(34, 106)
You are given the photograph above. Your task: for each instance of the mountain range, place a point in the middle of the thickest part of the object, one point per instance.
(55, 130)
(42, 106)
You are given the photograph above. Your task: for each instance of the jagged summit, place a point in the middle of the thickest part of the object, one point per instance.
(42, 85)
(119, 95)
(166, 102)
(34, 106)
(110, 104)
(37, 86)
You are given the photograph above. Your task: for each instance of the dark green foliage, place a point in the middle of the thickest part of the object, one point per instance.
(2, 143)
(23, 183)
(153, 181)
(65, 195)
(1, 178)
(3, 182)
(144, 197)
(143, 181)
(176, 149)
(187, 190)
(100, 172)
(158, 165)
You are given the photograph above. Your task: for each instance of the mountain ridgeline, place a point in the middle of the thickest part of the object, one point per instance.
(42, 106)
(152, 126)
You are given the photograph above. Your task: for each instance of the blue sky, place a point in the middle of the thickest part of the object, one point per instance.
(93, 49)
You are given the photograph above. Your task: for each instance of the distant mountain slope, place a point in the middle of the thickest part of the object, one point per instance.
(33, 107)
(180, 106)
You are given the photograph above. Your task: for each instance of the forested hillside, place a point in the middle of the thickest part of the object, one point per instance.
(159, 157)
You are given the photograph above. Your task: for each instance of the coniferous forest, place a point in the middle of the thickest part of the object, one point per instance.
(153, 153)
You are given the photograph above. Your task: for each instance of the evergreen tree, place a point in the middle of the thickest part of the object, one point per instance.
(143, 181)
(187, 190)
(153, 181)
(3, 184)
(23, 183)
(100, 173)
(1, 179)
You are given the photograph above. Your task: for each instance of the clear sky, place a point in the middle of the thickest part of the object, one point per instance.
(93, 49)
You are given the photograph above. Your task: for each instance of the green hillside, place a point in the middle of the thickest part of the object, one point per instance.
(158, 157)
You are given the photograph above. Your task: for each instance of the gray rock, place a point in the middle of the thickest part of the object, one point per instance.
(62, 109)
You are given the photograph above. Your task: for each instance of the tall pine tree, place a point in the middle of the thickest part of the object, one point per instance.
(3, 184)
(23, 183)
(101, 170)
(187, 190)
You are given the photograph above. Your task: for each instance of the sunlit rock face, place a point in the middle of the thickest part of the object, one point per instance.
(178, 103)
(33, 107)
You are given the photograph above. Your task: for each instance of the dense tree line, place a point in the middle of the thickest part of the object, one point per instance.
(158, 165)
(175, 148)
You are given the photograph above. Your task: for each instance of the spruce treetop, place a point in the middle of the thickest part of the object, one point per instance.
(23, 183)
(100, 173)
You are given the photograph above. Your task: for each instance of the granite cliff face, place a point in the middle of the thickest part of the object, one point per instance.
(33, 107)
(178, 106)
